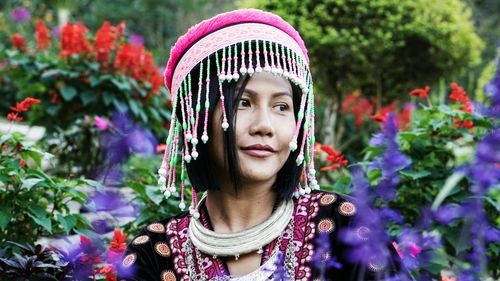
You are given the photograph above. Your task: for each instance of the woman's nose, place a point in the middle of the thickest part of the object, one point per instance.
(261, 123)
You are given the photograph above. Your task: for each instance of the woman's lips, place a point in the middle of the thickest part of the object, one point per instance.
(258, 152)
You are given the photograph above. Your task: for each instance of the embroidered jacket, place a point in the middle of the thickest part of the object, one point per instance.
(157, 252)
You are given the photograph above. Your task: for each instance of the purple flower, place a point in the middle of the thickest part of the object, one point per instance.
(20, 15)
(391, 161)
(446, 214)
(56, 31)
(280, 273)
(126, 138)
(136, 39)
(322, 258)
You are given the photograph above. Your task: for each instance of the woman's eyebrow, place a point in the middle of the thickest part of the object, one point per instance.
(274, 95)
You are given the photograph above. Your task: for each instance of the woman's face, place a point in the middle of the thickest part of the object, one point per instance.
(265, 124)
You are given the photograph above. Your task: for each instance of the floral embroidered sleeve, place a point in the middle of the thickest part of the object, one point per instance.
(147, 257)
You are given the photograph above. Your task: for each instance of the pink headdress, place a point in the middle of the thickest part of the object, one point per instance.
(241, 38)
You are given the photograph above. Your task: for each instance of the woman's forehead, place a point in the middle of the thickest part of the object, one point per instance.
(266, 83)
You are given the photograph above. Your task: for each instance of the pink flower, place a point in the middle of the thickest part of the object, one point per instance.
(100, 123)
(414, 250)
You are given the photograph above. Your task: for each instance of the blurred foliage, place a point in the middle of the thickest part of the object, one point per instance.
(141, 175)
(382, 47)
(34, 203)
(159, 22)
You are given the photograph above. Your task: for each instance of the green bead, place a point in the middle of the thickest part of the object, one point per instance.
(207, 104)
(198, 107)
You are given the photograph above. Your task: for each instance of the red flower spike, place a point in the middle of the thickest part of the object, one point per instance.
(421, 93)
(334, 157)
(105, 41)
(73, 40)
(358, 106)
(459, 95)
(42, 36)
(18, 42)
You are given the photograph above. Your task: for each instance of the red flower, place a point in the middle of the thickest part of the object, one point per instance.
(105, 40)
(18, 42)
(117, 247)
(160, 148)
(91, 253)
(24, 105)
(108, 271)
(13, 116)
(459, 95)
(379, 117)
(334, 157)
(73, 40)
(22, 162)
(404, 117)
(42, 36)
(422, 93)
(358, 106)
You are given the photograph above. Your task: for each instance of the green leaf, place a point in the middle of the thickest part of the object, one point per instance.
(120, 105)
(50, 73)
(154, 193)
(108, 97)
(134, 106)
(29, 183)
(88, 97)
(5, 216)
(39, 215)
(68, 92)
(67, 222)
(122, 85)
(93, 65)
(415, 175)
(97, 185)
(450, 183)
(53, 110)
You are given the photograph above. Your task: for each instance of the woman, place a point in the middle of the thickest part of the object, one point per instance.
(243, 131)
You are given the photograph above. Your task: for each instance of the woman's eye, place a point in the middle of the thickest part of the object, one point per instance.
(244, 103)
(282, 107)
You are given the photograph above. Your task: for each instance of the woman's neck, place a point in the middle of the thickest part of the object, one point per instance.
(234, 212)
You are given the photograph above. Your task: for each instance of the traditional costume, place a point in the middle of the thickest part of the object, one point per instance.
(185, 247)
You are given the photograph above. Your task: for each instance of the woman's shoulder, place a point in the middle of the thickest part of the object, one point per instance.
(329, 209)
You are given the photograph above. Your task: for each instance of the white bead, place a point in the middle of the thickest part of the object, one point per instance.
(172, 188)
(187, 157)
(182, 205)
(267, 68)
(222, 77)
(194, 154)
(162, 181)
(189, 136)
(302, 191)
(292, 145)
(194, 141)
(250, 71)
(236, 76)
(314, 182)
(243, 70)
(225, 125)
(167, 194)
(286, 74)
(280, 71)
(163, 188)
(274, 70)
(312, 172)
(258, 69)
(162, 171)
(307, 189)
(196, 215)
(300, 158)
(204, 138)
(191, 210)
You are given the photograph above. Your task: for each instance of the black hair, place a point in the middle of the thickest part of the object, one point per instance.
(202, 171)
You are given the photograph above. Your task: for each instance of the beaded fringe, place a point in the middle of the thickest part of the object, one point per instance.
(278, 60)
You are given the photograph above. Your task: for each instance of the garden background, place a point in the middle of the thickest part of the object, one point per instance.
(408, 101)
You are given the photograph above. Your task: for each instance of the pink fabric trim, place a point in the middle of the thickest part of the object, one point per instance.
(226, 37)
(238, 16)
